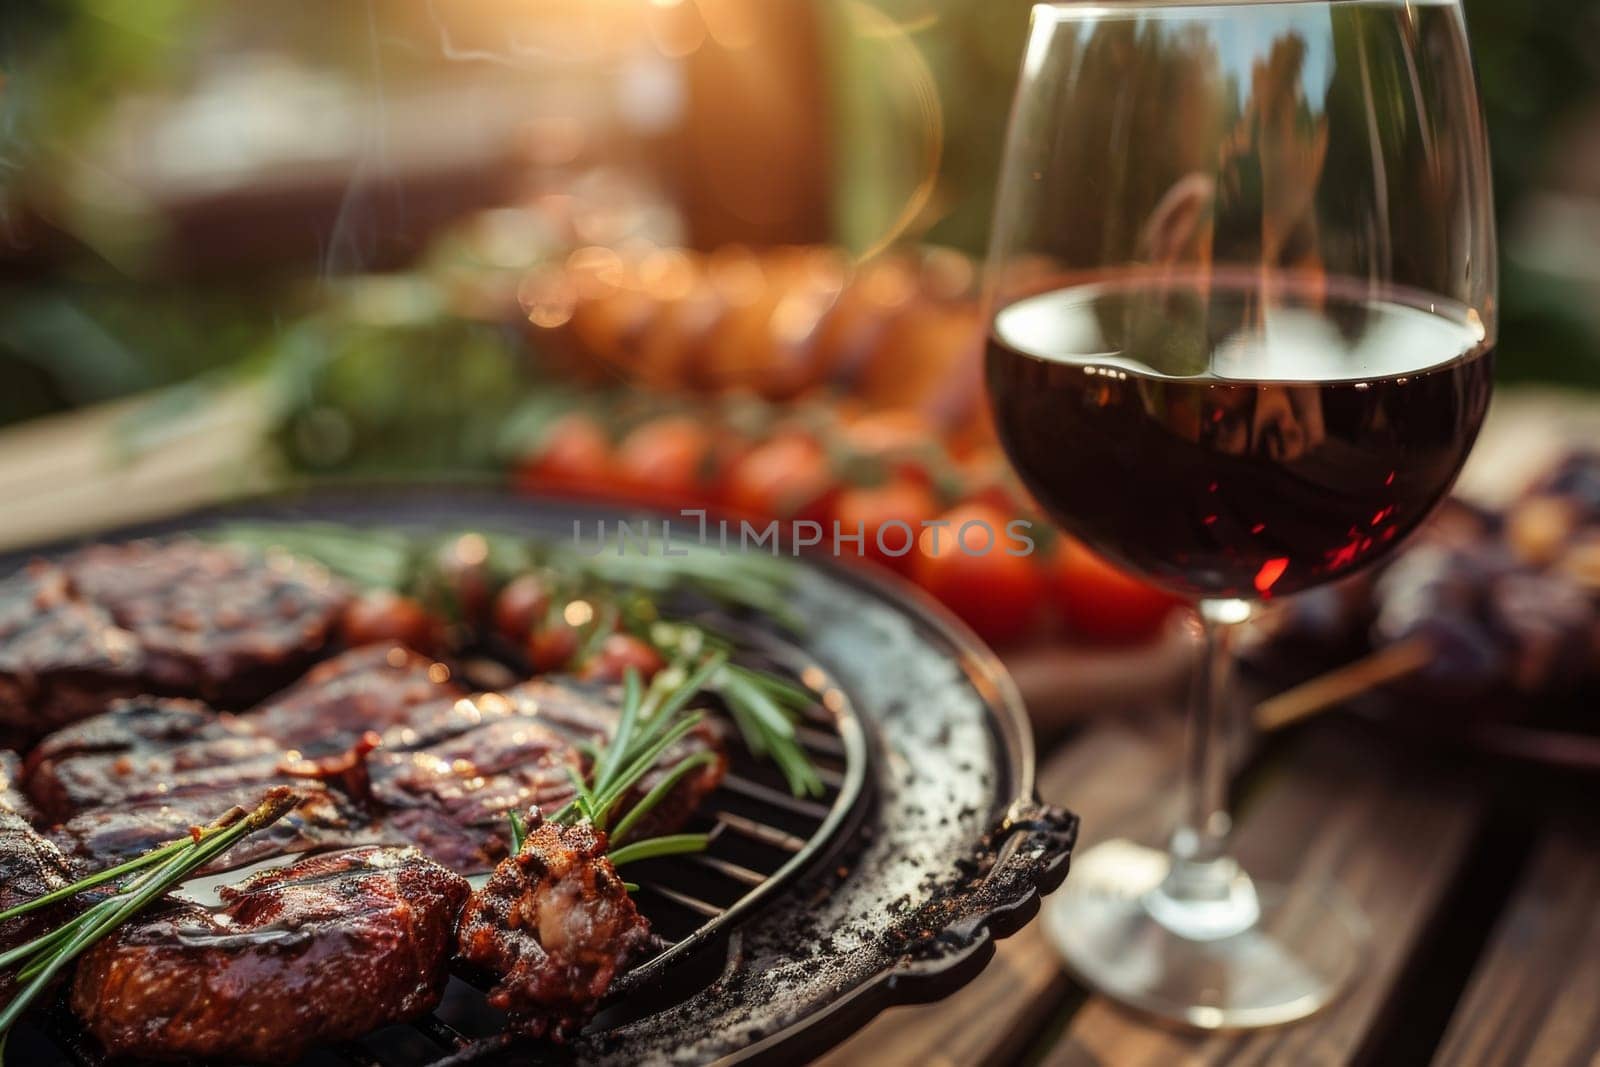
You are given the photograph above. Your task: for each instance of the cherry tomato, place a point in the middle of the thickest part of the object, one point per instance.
(872, 509)
(383, 615)
(728, 450)
(665, 460)
(463, 565)
(1098, 602)
(970, 567)
(522, 603)
(616, 654)
(780, 478)
(987, 477)
(574, 455)
(552, 645)
(879, 433)
(903, 441)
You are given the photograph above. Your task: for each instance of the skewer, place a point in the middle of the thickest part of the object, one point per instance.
(1342, 683)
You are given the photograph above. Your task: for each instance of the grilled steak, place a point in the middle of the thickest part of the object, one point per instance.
(374, 687)
(404, 779)
(449, 791)
(327, 948)
(586, 713)
(555, 925)
(447, 770)
(150, 768)
(143, 749)
(29, 867)
(324, 818)
(180, 618)
(215, 621)
(447, 779)
(60, 658)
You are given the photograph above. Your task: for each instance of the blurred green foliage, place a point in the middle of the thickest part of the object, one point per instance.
(1538, 66)
(71, 343)
(383, 382)
(65, 61)
(75, 329)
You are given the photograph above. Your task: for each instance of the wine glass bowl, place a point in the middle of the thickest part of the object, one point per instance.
(1257, 447)
(1241, 292)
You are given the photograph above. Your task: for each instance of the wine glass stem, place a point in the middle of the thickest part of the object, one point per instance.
(1205, 895)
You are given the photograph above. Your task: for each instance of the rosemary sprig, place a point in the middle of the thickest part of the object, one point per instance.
(657, 792)
(83, 885)
(762, 708)
(649, 724)
(605, 767)
(44, 957)
(392, 559)
(646, 728)
(669, 845)
(604, 803)
(622, 584)
(743, 579)
(519, 830)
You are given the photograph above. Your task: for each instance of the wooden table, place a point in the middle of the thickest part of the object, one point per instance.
(1482, 887)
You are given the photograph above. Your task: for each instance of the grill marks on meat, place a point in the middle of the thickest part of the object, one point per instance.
(324, 818)
(448, 779)
(449, 776)
(584, 712)
(147, 770)
(374, 687)
(219, 621)
(555, 925)
(60, 658)
(30, 866)
(178, 617)
(143, 749)
(448, 768)
(451, 798)
(327, 948)
(339, 943)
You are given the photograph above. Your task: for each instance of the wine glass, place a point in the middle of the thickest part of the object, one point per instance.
(1242, 302)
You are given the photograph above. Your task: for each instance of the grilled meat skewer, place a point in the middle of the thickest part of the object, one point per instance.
(555, 925)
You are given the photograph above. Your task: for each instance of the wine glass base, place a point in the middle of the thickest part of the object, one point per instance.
(1300, 953)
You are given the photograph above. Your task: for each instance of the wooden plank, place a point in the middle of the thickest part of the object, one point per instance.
(1528, 428)
(1339, 806)
(78, 472)
(1115, 777)
(1535, 996)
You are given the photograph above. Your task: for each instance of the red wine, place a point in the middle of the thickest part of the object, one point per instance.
(1226, 439)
